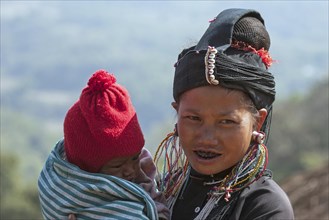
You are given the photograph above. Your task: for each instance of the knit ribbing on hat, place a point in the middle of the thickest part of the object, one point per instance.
(101, 125)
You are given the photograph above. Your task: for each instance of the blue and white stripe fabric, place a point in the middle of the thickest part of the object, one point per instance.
(64, 188)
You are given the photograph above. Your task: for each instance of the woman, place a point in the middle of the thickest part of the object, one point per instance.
(215, 161)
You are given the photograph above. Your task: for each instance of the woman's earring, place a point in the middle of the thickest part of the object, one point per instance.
(168, 143)
(258, 137)
(171, 163)
(176, 130)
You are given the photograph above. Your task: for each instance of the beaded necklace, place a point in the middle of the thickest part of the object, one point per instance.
(175, 171)
(248, 170)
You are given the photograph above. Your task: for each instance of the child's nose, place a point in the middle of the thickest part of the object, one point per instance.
(128, 171)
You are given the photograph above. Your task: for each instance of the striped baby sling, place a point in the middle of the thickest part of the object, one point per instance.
(64, 189)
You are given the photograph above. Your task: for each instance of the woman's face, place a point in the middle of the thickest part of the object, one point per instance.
(215, 127)
(123, 167)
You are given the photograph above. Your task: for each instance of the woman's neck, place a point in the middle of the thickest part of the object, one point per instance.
(208, 179)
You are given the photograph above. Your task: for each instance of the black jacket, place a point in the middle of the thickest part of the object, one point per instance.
(262, 200)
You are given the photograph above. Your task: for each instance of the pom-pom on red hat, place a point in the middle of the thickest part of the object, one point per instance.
(101, 125)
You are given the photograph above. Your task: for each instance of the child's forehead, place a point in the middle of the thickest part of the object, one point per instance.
(123, 159)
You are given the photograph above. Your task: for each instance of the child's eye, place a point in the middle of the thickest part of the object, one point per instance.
(110, 170)
(136, 157)
(115, 167)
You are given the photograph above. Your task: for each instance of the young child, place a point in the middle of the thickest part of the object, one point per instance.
(94, 171)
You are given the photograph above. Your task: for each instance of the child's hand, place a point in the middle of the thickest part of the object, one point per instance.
(72, 217)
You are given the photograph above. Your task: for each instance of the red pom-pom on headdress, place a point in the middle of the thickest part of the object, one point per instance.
(101, 80)
(262, 53)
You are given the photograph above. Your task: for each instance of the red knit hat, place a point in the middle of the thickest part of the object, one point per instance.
(101, 125)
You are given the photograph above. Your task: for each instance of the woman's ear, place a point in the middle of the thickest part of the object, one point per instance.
(262, 117)
(175, 106)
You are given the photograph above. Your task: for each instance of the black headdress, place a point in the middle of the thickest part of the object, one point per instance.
(232, 53)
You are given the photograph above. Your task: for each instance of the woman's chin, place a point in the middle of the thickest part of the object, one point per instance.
(207, 166)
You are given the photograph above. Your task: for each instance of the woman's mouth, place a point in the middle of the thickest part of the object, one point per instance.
(206, 155)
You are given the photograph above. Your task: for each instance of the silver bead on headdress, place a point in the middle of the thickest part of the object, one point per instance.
(210, 65)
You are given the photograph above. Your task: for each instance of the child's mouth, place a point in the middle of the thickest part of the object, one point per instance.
(206, 155)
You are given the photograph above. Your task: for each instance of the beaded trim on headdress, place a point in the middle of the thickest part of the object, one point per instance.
(212, 51)
(239, 45)
(209, 61)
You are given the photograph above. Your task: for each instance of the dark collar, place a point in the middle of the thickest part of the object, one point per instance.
(209, 178)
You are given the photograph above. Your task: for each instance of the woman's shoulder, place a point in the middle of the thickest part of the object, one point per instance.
(264, 186)
(264, 199)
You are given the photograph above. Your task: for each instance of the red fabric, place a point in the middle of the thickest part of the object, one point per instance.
(102, 124)
(264, 54)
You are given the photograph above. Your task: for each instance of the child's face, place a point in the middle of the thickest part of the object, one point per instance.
(214, 128)
(124, 167)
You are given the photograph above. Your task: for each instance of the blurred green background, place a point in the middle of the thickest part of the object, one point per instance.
(49, 49)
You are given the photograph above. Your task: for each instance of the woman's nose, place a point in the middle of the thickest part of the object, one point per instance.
(208, 135)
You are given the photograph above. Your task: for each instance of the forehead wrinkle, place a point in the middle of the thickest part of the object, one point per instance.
(217, 113)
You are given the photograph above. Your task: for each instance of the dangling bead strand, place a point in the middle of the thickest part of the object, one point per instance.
(174, 167)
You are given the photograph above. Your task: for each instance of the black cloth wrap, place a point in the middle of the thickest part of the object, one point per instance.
(231, 73)
(234, 69)
(220, 32)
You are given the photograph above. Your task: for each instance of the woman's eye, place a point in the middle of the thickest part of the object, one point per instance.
(193, 118)
(227, 121)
